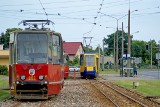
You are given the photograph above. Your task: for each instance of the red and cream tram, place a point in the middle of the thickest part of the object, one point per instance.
(36, 62)
(66, 65)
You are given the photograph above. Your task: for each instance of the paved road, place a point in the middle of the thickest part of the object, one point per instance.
(150, 73)
(143, 75)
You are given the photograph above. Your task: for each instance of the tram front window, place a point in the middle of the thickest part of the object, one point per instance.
(89, 60)
(32, 48)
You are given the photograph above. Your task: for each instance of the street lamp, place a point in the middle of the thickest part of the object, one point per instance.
(158, 58)
(129, 38)
(116, 39)
(122, 41)
(113, 47)
(103, 56)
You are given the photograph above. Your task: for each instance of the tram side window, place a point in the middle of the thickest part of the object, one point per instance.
(81, 60)
(56, 49)
(14, 51)
(50, 50)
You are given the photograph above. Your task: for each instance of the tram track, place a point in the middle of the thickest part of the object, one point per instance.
(121, 99)
(17, 104)
(85, 93)
(115, 104)
(133, 94)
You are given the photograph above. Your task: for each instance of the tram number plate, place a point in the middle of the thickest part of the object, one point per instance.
(31, 78)
(89, 68)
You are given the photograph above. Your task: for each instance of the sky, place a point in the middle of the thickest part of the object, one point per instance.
(76, 19)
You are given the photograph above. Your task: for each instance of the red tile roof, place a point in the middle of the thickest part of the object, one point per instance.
(71, 47)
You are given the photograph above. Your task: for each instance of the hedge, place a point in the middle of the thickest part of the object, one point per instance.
(3, 70)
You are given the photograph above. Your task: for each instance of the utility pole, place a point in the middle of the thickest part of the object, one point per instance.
(114, 51)
(129, 38)
(103, 56)
(117, 49)
(158, 58)
(129, 50)
(122, 41)
(129, 44)
(151, 53)
(99, 56)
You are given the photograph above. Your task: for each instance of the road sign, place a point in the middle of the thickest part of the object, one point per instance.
(157, 55)
(138, 60)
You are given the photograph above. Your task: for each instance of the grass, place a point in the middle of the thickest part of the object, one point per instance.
(4, 94)
(2, 76)
(146, 87)
(108, 71)
(3, 84)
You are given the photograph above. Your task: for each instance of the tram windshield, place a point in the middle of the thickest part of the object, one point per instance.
(90, 60)
(32, 48)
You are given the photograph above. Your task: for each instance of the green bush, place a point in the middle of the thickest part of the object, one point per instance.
(3, 70)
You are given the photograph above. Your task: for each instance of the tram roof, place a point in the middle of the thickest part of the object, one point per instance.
(90, 53)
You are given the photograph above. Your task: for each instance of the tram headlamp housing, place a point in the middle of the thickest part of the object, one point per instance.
(41, 77)
(23, 77)
(45, 82)
(17, 82)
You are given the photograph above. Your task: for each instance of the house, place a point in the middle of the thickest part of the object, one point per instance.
(4, 56)
(73, 49)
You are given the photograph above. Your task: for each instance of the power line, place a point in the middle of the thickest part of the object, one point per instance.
(115, 2)
(123, 4)
(152, 13)
(44, 9)
(66, 6)
(70, 1)
(75, 18)
(43, 3)
(94, 23)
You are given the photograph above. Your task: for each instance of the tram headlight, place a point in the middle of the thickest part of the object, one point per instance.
(23, 77)
(45, 82)
(41, 77)
(17, 82)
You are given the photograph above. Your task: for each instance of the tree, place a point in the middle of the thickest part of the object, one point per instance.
(97, 50)
(87, 49)
(109, 41)
(154, 50)
(138, 47)
(139, 50)
(4, 39)
(3, 70)
(75, 61)
(1, 38)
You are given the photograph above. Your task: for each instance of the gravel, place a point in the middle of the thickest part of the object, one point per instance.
(75, 93)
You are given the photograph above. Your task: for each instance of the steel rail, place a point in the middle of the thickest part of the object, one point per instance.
(16, 105)
(143, 105)
(106, 96)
